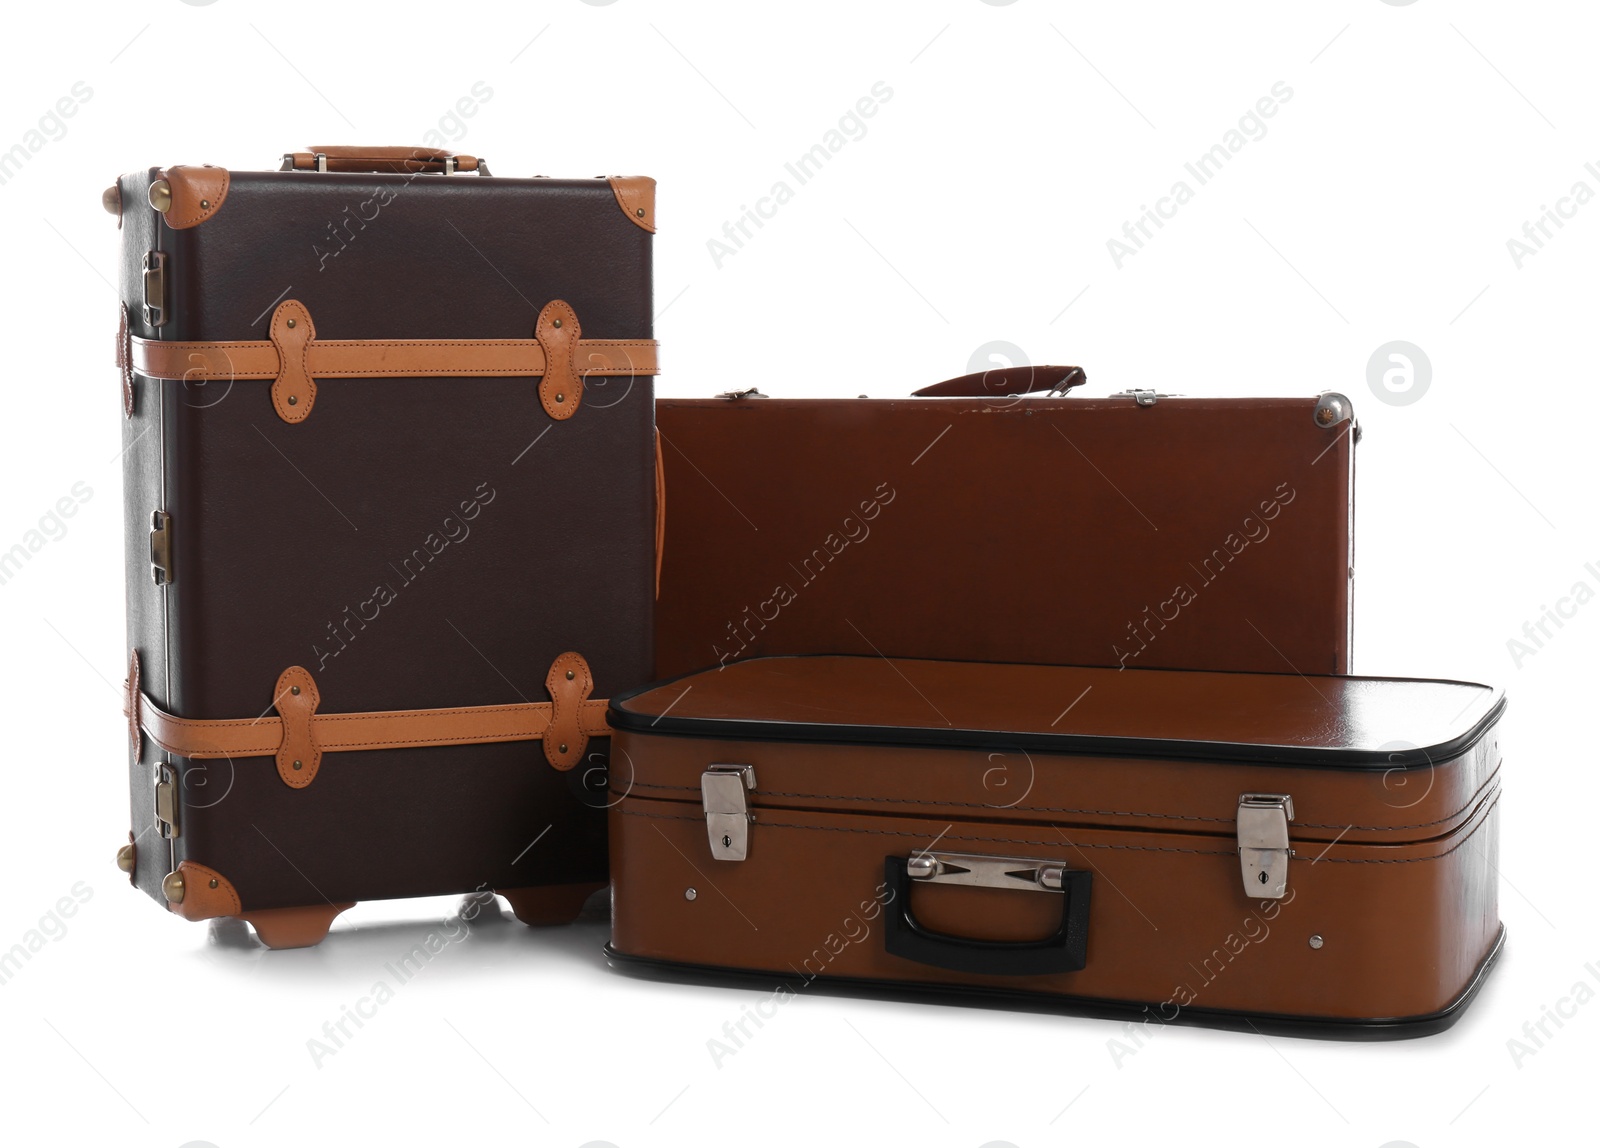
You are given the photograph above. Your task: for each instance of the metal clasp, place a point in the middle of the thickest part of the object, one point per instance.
(1144, 398)
(166, 789)
(987, 872)
(155, 288)
(728, 816)
(747, 393)
(161, 547)
(1264, 852)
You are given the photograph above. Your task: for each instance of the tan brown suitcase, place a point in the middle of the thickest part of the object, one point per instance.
(1309, 853)
(977, 521)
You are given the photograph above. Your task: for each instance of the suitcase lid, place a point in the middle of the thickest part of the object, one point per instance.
(1361, 723)
(1231, 513)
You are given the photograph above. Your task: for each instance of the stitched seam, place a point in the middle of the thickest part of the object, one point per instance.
(948, 836)
(1064, 809)
(1074, 844)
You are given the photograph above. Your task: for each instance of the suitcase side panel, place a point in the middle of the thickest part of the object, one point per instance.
(1403, 929)
(416, 542)
(1024, 790)
(1195, 533)
(144, 439)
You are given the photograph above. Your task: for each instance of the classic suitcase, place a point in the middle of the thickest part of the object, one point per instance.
(1311, 853)
(390, 518)
(1136, 530)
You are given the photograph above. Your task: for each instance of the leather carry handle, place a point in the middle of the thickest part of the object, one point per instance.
(1008, 381)
(1064, 951)
(385, 159)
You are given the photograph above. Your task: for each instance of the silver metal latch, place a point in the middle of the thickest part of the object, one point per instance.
(1144, 398)
(988, 872)
(747, 393)
(728, 817)
(1264, 852)
(166, 801)
(155, 288)
(161, 547)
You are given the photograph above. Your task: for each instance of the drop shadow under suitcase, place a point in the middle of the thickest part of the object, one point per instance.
(1314, 854)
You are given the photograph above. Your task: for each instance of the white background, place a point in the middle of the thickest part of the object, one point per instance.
(976, 207)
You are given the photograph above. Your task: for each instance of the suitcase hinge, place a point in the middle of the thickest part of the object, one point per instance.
(161, 547)
(166, 801)
(728, 816)
(155, 288)
(1264, 852)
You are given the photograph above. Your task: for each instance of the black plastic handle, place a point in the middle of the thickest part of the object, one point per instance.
(1064, 951)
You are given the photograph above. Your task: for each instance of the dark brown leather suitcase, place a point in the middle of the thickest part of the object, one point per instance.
(977, 522)
(1312, 853)
(390, 479)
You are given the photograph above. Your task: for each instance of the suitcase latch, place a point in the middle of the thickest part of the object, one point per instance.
(161, 547)
(166, 802)
(1263, 830)
(1143, 398)
(728, 817)
(155, 288)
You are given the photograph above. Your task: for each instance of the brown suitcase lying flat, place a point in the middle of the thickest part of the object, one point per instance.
(390, 480)
(1134, 529)
(1309, 853)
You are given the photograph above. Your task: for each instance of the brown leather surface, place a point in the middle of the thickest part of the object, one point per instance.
(297, 927)
(354, 158)
(388, 358)
(1404, 926)
(211, 739)
(296, 700)
(1338, 715)
(125, 359)
(382, 543)
(636, 195)
(197, 194)
(1077, 530)
(569, 683)
(206, 894)
(131, 696)
(1394, 870)
(1006, 381)
(561, 389)
(661, 513)
(293, 389)
(551, 904)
